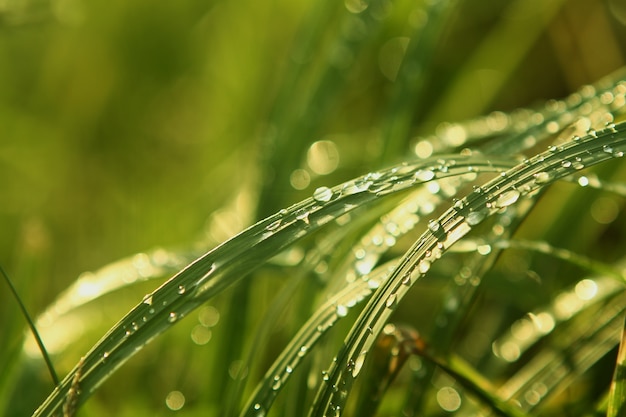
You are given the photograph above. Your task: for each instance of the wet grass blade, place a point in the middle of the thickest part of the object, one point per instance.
(520, 181)
(302, 344)
(617, 394)
(236, 258)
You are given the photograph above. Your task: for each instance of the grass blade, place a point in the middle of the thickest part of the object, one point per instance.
(617, 394)
(231, 261)
(522, 180)
(33, 328)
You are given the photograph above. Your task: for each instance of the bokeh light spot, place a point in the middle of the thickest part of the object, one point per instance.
(449, 399)
(175, 400)
(323, 157)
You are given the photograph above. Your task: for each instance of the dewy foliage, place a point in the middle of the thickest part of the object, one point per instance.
(508, 195)
(460, 275)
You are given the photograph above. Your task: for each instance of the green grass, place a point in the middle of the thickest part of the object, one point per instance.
(313, 208)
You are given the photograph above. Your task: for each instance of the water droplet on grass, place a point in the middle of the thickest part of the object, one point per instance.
(323, 194)
(147, 299)
(476, 217)
(303, 350)
(303, 215)
(277, 383)
(424, 175)
(259, 411)
(507, 198)
(566, 164)
(542, 177)
(391, 301)
(423, 266)
(181, 289)
(358, 364)
(342, 310)
(172, 317)
(434, 226)
(274, 225)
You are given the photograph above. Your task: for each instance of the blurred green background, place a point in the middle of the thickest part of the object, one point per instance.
(124, 125)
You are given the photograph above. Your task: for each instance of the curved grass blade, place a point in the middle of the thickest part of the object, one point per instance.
(520, 181)
(33, 328)
(617, 394)
(474, 382)
(578, 348)
(563, 254)
(585, 294)
(229, 262)
(520, 130)
(320, 322)
(93, 285)
(460, 294)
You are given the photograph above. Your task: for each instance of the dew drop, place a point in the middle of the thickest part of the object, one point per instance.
(274, 225)
(458, 204)
(406, 279)
(303, 215)
(303, 350)
(424, 175)
(358, 363)
(542, 177)
(607, 149)
(362, 184)
(147, 299)
(323, 194)
(566, 164)
(277, 383)
(173, 316)
(391, 301)
(476, 217)
(181, 289)
(507, 198)
(434, 226)
(342, 310)
(423, 266)
(259, 411)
